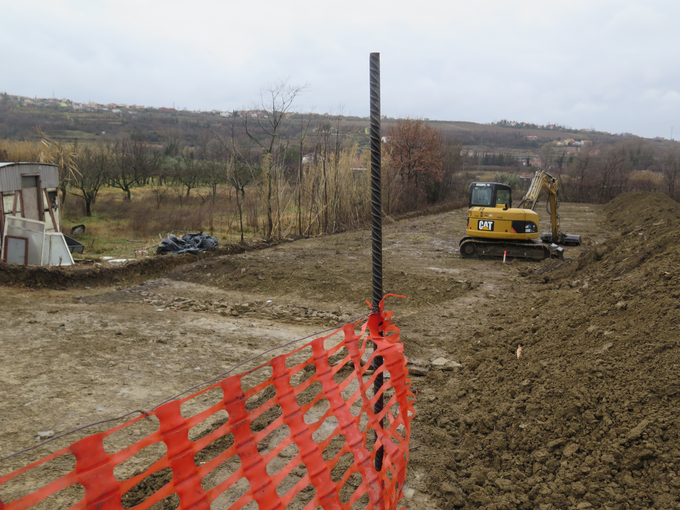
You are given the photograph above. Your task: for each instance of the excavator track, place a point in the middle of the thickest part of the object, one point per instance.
(475, 247)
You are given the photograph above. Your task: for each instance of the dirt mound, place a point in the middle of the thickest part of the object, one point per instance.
(587, 416)
(642, 209)
(642, 258)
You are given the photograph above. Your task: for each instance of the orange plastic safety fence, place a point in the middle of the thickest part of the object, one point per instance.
(302, 437)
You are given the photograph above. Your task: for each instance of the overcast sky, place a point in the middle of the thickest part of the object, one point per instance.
(611, 65)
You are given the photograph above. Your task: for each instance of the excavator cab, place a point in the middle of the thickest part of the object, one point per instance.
(491, 216)
(490, 194)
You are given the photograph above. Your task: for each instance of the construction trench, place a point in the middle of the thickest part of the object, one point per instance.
(583, 418)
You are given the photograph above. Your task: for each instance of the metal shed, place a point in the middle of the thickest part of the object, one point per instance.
(30, 221)
(10, 175)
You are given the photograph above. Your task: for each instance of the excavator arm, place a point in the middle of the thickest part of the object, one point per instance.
(544, 181)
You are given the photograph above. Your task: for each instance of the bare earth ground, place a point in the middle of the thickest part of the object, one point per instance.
(585, 418)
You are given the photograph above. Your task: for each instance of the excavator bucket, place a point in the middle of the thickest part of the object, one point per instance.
(564, 239)
(571, 240)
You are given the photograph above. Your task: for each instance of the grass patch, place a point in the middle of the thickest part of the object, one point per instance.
(126, 229)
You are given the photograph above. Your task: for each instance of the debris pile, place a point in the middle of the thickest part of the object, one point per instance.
(188, 243)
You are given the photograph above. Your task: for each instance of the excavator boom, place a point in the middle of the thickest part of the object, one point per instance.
(544, 181)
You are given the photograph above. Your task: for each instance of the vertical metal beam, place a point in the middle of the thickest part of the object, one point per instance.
(376, 190)
(376, 225)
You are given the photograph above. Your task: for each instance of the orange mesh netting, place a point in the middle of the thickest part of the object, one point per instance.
(297, 432)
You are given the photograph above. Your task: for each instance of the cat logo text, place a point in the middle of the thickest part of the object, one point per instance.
(485, 225)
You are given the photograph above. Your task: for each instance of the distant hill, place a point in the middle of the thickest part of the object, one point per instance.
(64, 120)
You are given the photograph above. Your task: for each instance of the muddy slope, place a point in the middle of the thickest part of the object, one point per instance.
(587, 416)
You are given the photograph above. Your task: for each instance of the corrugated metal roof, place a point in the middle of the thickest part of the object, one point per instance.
(7, 163)
(10, 175)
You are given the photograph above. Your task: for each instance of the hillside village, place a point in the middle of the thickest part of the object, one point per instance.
(134, 109)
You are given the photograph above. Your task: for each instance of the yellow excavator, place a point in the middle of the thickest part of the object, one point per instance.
(496, 229)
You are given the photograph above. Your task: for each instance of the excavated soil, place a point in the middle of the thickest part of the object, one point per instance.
(587, 416)
(584, 415)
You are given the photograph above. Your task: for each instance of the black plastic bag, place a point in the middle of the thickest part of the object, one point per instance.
(188, 243)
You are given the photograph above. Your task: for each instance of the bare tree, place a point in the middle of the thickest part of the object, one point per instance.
(173, 143)
(214, 173)
(613, 172)
(578, 170)
(93, 163)
(438, 190)
(547, 156)
(161, 181)
(415, 155)
(639, 153)
(322, 153)
(304, 127)
(135, 162)
(241, 169)
(275, 101)
(188, 171)
(670, 165)
(239, 176)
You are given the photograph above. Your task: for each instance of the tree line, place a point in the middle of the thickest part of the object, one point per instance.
(598, 174)
(309, 174)
(303, 176)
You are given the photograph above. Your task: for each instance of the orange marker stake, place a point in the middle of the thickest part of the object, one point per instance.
(504, 253)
